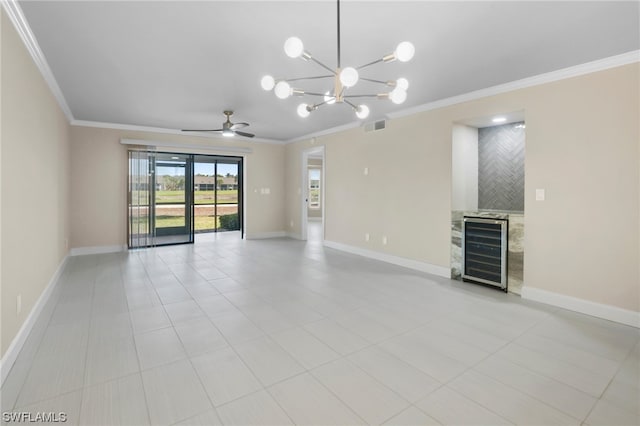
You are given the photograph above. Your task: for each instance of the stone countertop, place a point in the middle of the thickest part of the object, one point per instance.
(493, 214)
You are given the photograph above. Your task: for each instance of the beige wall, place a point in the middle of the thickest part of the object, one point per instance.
(99, 183)
(582, 147)
(35, 183)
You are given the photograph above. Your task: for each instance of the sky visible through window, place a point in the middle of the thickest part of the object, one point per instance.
(208, 169)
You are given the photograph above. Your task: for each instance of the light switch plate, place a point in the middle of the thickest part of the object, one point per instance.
(540, 194)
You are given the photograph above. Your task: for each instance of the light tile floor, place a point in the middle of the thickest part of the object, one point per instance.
(279, 331)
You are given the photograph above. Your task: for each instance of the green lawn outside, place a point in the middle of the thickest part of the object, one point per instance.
(201, 223)
(201, 197)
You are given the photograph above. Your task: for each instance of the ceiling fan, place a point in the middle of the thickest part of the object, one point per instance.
(229, 129)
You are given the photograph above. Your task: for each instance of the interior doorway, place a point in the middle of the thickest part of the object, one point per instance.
(313, 191)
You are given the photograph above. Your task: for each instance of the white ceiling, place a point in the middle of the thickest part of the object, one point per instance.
(178, 64)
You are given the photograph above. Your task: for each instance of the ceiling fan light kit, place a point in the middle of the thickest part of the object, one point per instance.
(343, 79)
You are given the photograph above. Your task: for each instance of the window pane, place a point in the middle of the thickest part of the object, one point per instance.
(314, 188)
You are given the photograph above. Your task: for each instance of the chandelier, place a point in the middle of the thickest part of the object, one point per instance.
(343, 79)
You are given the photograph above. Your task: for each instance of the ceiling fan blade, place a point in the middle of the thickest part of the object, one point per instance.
(237, 126)
(202, 130)
(246, 135)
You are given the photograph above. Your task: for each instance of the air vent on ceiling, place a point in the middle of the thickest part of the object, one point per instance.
(375, 125)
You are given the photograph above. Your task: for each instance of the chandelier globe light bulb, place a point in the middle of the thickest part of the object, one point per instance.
(362, 111)
(293, 47)
(349, 77)
(405, 51)
(282, 90)
(268, 82)
(402, 83)
(303, 110)
(398, 95)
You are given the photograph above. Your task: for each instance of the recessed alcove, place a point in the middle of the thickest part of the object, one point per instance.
(488, 164)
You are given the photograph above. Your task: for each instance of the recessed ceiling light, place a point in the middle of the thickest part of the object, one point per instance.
(499, 119)
(175, 158)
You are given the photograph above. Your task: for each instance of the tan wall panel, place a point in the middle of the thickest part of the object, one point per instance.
(35, 183)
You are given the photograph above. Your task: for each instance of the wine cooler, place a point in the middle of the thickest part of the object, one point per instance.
(484, 251)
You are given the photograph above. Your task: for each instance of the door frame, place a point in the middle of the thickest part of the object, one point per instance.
(216, 159)
(189, 225)
(304, 217)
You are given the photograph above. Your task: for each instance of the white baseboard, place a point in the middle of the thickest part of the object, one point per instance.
(16, 345)
(81, 251)
(294, 235)
(314, 219)
(599, 310)
(400, 261)
(265, 235)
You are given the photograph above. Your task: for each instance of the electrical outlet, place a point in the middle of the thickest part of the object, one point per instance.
(18, 304)
(384, 240)
(366, 171)
(291, 224)
(366, 237)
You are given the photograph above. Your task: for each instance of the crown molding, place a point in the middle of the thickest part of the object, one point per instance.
(13, 10)
(330, 131)
(136, 128)
(550, 77)
(561, 74)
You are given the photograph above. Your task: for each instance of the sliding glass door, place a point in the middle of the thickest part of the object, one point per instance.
(173, 196)
(173, 206)
(217, 193)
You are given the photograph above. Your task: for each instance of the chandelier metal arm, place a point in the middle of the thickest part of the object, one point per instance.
(339, 66)
(314, 106)
(333, 72)
(388, 58)
(350, 104)
(377, 61)
(362, 96)
(386, 83)
(309, 78)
